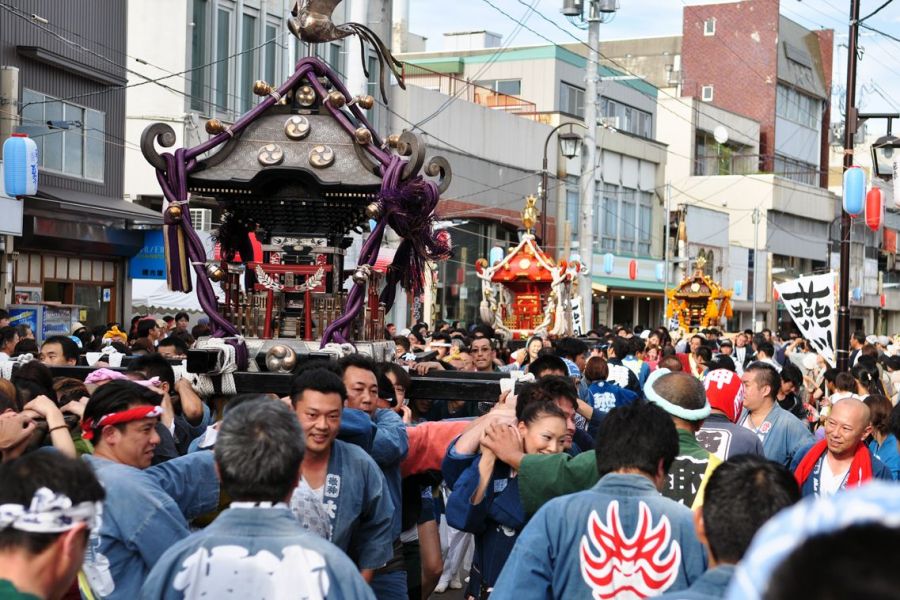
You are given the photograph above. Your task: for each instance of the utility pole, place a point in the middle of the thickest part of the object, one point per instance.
(850, 124)
(666, 256)
(589, 163)
(755, 267)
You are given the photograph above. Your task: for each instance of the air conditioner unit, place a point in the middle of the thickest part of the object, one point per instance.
(201, 219)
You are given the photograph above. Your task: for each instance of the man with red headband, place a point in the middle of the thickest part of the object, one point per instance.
(842, 459)
(147, 509)
(720, 434)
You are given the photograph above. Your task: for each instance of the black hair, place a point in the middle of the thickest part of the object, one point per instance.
(859, 336)
(830, 375)
(636, 436)
(848, 563)
(845, 382)
(22, 329)
(199, 330)
(27, 346)
(117, 396)
(636, 345)
(485, 330)
(894, 421)
(545, 363)
(360, 361)
(403, 342)
(741, 495)
(21, 478)
(722, 361)
(533, 411)
(570, 348)
(7, 334)
(792, 373)
(168, 318)
(620, 347)
(546, 389)
(766, 348)
(174, 341)
(69, 348)
(324, 381)
(181, 315)
(868, 377)
(145, 326)
(154, 365)
(765, 374)
(399, 373)
(705, 353)
(33, 379)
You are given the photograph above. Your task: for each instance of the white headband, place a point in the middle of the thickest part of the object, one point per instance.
(49, 513)
(696, 414)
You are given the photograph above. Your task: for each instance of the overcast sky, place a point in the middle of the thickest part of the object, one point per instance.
(878, 77)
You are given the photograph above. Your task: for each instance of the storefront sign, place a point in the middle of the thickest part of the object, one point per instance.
(11, 209)
(150, 262)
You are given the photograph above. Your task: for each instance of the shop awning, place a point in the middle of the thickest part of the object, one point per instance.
(627, 284)
(598, 287)
(96, 205)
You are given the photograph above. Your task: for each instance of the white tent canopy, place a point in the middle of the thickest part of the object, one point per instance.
(154, 295)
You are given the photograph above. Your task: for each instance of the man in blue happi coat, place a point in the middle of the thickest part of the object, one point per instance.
(344, 479)
(147, 509)
(389, 448)
(781, 433)
(256, 548)
(621, 537)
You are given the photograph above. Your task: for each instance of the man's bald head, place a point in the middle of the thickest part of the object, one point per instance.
(846, 427)
(852, 410)
(682, 390)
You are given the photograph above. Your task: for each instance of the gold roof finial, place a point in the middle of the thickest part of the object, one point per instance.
(701, 262)
(530, 214)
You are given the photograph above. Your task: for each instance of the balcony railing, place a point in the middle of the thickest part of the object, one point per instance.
(466, 90)
(748, 164)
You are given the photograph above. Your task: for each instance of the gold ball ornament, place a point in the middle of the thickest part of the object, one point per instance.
(365, 102)
(373, 210)
(175, 213)
(261, 88)
(214, 126)
(336, 99)
(393, 140)
(363, 136)
(306, 96)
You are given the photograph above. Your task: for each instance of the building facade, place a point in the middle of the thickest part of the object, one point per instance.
(65, 90)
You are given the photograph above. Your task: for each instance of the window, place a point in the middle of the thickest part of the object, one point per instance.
(198, 56)
(571, 100)
(645, 223)
(75, 145)
(248, 62)
(224, 37)
(610, 216)
(798, 107)
(572, 209)
(627, 228)
(796, 170)
(709, 27)
(510, 87)
(623, 117)
(706, 93)
(270, 55)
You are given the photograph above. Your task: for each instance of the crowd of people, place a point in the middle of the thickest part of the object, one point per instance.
(622, 464)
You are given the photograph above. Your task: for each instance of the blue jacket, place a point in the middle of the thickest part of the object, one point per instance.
(711, 584)
(359, 505)
(809, 487)
(606, 395)
(389, 448)
(725, 439)
(496, 521)
(781, 434)
(144, 514)
(578, 546)
(888, 453)
(254, 553)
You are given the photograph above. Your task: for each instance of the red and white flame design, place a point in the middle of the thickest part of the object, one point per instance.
(628, 567)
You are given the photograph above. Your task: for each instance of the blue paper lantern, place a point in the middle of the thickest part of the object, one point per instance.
(857, 294)
(854, 191)
(738, 287)
(660, 271)
(575, 257)
(609, 263)
(20, 165)
(496, 255)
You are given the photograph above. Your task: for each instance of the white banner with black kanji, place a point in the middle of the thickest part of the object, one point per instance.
(810, 302)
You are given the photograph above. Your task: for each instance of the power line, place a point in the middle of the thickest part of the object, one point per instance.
(876, 11)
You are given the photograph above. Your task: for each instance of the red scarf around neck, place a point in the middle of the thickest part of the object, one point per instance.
(860, 468)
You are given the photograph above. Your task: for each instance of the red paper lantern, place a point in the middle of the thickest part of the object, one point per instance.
(874, 208)
(883, 300)
(632, 270)
(775, 294)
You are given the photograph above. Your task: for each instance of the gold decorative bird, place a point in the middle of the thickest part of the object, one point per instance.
(311, 22)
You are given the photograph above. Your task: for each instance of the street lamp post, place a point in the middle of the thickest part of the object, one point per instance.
(883, 148)
(570, 147)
